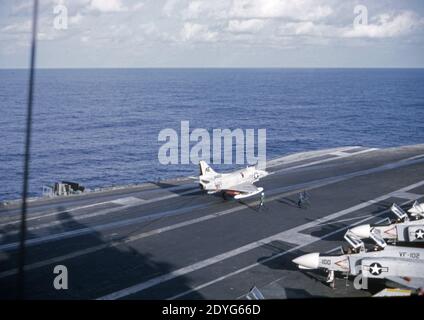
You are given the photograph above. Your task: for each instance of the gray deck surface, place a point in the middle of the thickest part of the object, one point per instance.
(170, 241)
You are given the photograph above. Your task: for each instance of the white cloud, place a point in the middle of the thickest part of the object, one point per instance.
(201, 9)
(307, 28)
(150, 32)
(169, 7)
(382, 26)
(197, 32)
(251, 9)
(19, 27)
(291, 9)
(138, 6)
(22, 7)
(386, 26)
(322, 19)
(245, 26)
(76, 19)
(237, 26)
(107, 5)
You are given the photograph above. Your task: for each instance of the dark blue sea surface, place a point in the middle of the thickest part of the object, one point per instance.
(100, 127)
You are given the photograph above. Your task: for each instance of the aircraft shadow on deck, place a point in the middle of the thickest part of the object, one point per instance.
(180, 192)
(343, 283)
(328, 227)
(289, 202)
(91, 275)
(252, 204)
(283, 262)
(281, 292)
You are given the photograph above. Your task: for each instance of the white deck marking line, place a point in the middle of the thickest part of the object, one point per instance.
(299, 238)
(98, 228)
(129, 201)
(278, 255)
(116, 243)
(319, 183)
(35, 216)
(346, 176)
(98, 213)
(333, 216)
(53, 213)
(73, 218)
(308, 155)
(343, 220)
(325, 160)
(285, 236)
(309, 158)
(407, 195)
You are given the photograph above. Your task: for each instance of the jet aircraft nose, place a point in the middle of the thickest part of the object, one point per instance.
(362, 231)
(308, 261)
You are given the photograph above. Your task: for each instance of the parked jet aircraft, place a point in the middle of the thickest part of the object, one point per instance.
(403, 229)
(398, 264)
(238, 184)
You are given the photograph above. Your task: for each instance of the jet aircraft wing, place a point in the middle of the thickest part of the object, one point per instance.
(244, 188)
(407, 286)
(410, 283)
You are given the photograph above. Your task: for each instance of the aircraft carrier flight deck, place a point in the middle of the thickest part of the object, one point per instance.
(170, 240)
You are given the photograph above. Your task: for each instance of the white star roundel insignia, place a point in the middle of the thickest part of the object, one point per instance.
(375, 268)
(419, 234)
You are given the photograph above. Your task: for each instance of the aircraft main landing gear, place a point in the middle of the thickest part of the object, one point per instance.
(261, 204)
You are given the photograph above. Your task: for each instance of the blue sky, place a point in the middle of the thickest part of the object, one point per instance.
(216, 33)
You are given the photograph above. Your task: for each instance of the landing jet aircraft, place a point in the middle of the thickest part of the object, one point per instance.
(403, 265)
(238, 184)
(403, 229)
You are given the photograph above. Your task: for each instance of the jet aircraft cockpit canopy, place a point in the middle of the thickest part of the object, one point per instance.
(354, 241)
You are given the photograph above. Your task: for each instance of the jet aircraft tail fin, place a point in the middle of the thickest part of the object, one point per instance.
(205, 169)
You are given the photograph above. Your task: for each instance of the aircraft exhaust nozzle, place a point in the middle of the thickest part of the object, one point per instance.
(362, 232)
(203, 183)
(308, 261)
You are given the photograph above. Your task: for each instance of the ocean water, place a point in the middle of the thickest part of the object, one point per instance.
(100, 127)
